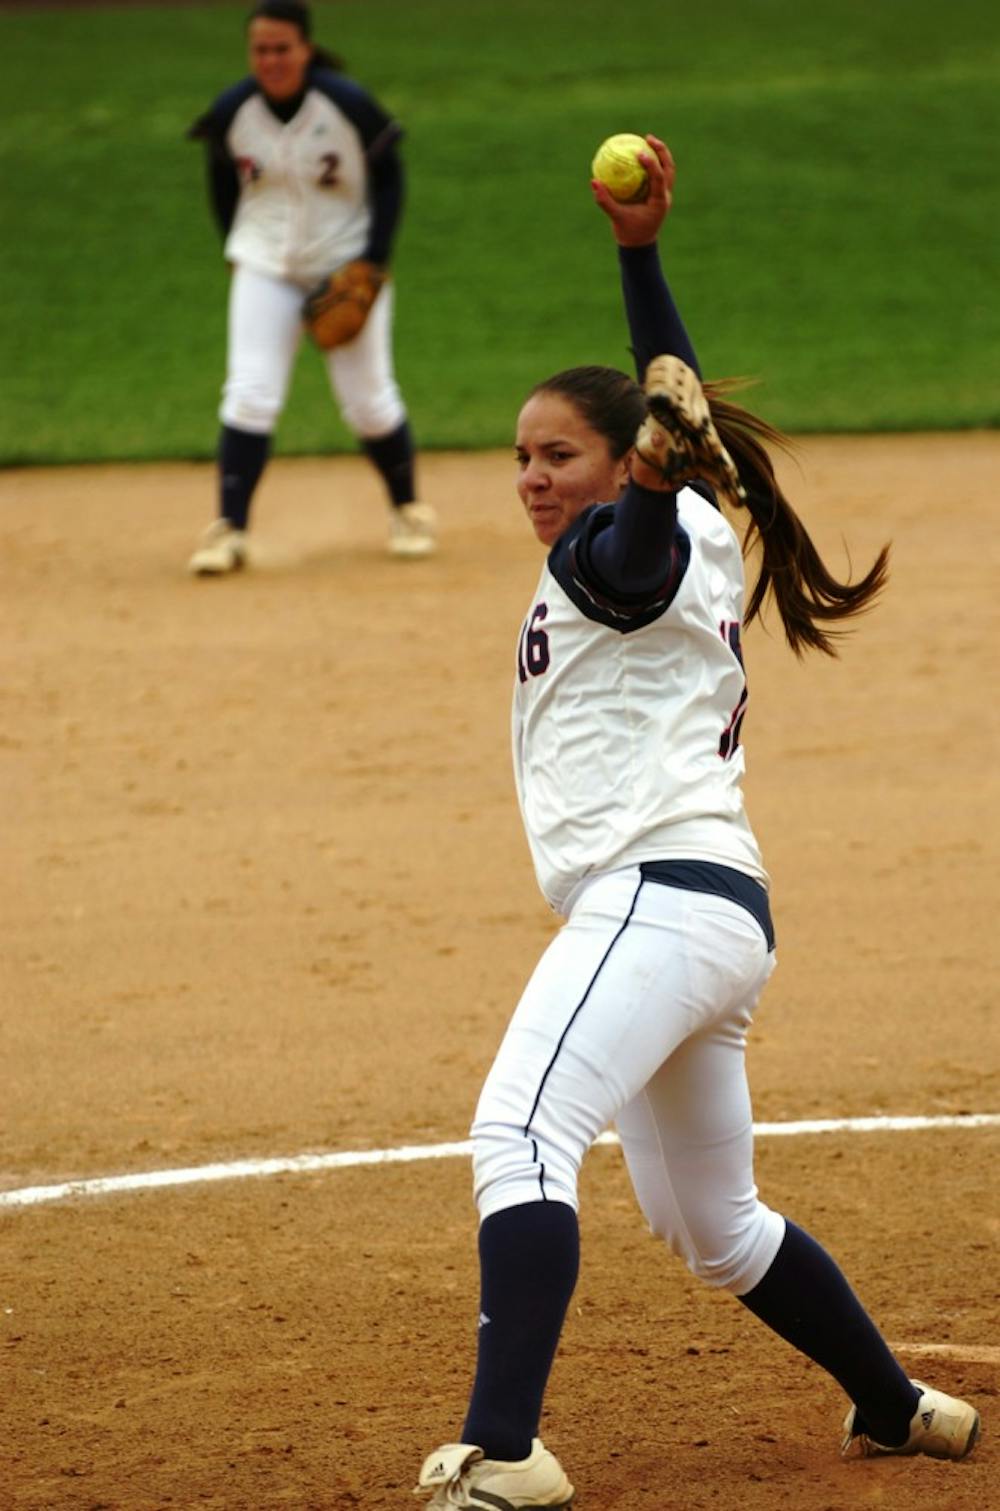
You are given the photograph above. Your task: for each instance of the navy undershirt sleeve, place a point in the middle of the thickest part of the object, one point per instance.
(632, 555)
(623, 571)
(386, 186)
(223, 186)
(630, 558)
(655, 326)
(375, 126)
(211, 128)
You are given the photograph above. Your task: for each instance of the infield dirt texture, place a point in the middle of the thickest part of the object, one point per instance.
(265, 892)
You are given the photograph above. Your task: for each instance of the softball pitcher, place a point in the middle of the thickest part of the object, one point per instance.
(304, 175)
(629, 698)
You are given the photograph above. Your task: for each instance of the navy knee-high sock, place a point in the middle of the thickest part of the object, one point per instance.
(393, 455)
(529, 1257)
(242, 458)
(805, 1298)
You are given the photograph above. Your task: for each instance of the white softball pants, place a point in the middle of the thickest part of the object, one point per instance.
(265, 331)
(637, 1014)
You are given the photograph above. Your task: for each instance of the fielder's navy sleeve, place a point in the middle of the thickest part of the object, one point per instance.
(223, 186)
(386, 188)
(655, 326)
(211, 128)
(376, 128)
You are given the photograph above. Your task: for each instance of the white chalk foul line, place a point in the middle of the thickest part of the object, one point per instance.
(304, 1164)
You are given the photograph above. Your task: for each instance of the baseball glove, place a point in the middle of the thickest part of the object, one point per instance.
(678, 437)
(336, 309)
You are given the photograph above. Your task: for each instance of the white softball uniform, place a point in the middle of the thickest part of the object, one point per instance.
(303, 205)
(626, 751)
(622, 748)
(265, 332)
(302, 210)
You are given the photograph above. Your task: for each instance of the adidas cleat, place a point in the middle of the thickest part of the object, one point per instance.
(943, 1427)
(458, 1475)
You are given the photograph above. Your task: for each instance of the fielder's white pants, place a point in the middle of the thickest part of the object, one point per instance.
(637, 1014)
(265, 331)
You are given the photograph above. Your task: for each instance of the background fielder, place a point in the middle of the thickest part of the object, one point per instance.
(305, 175)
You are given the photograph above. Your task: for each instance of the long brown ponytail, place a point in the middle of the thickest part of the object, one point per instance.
(807, 595)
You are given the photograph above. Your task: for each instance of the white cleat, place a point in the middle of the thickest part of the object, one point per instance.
(459, 1475)
(942, 1427)
(222, 549)
(412, 530)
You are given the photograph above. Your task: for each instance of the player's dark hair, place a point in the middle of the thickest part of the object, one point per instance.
(297, 14)
(807, 595)
(611, 402)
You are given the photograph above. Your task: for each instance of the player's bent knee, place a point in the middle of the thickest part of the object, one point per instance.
(250, 409)
(734, 1262)
(511, 1167)
(373, 417)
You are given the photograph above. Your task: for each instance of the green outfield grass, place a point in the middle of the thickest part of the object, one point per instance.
(835, 232)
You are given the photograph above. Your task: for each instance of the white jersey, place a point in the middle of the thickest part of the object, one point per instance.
(303, 205)
(626, 728)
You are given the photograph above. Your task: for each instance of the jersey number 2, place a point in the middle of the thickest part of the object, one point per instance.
(329, 176)
(533, 646)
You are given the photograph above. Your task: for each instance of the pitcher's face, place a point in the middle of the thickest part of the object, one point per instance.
(564, 465)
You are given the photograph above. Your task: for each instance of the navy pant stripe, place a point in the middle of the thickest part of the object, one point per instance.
(579, 1008)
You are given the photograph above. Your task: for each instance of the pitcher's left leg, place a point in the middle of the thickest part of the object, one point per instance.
(363, 380)
(688, 1142)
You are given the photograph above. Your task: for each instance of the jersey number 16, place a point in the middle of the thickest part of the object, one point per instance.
(533, 646)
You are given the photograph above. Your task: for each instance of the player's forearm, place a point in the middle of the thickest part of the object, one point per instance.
(655, 326)
(223, 189)
(632, 557)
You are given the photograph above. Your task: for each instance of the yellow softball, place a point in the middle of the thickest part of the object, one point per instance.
(618, 168)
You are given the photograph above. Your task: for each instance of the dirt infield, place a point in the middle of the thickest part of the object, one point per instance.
(265, 892)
